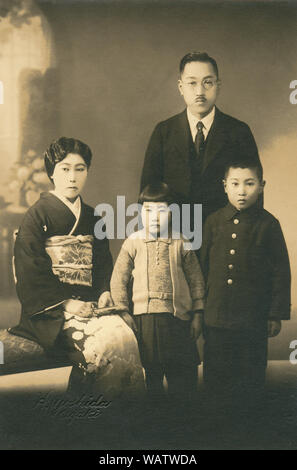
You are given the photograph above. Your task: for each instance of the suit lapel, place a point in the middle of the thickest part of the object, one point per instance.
(183, 135)
(215, 140)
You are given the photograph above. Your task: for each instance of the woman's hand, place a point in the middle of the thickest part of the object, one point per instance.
(79, 308)
(105, 300)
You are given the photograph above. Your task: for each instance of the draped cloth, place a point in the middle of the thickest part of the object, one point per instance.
(106, 352)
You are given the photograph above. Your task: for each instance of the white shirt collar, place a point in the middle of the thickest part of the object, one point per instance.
(207, 122)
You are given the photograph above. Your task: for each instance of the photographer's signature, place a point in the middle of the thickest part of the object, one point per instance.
(84, 407)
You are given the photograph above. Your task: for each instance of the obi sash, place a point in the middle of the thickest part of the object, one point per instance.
(71, 258)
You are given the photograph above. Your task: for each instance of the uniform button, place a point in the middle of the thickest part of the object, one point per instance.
(230, 281)
(236, 221)
(232, 252)
(230, 266)
(233, 235)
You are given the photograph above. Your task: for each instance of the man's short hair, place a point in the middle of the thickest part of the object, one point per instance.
(156, 192)
(198, 57)
(246, 162)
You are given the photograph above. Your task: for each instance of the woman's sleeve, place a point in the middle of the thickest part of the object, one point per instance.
(37, 287)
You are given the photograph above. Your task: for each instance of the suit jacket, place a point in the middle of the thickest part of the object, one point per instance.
(171, 152)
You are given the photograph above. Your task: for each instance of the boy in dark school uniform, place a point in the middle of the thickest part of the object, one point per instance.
(246, 267)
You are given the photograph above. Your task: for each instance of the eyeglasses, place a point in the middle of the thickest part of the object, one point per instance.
(207, 83)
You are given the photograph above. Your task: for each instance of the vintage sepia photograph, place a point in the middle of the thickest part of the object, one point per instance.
(148, 253)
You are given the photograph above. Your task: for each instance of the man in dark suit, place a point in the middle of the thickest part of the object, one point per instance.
(190, 150)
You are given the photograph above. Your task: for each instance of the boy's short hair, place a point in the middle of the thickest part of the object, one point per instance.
(156, 192)
(198, 57)
(247, 162)
(59, 149)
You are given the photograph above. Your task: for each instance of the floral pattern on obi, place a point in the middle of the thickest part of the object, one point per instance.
(71, 258)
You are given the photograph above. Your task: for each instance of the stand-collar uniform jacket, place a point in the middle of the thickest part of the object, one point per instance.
(245, 263)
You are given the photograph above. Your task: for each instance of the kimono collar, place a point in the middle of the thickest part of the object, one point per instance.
(75, 206)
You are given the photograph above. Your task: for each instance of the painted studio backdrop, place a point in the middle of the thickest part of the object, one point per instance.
(106, 73)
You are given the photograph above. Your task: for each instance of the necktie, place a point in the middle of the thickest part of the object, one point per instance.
(199, 139)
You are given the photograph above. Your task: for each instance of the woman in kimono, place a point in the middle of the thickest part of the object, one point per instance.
(63, 275)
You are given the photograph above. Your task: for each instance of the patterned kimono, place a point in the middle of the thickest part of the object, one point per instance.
(57, 258)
